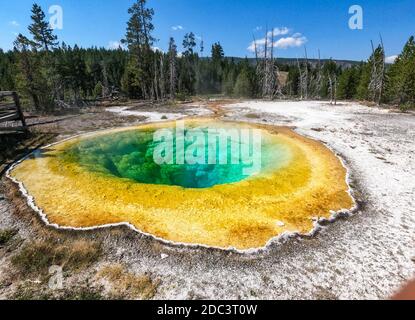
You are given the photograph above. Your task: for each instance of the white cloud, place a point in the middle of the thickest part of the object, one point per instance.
(391, 59)
(14, 23)
(177, 28)
(280, 42)
(115, 45)
(256, 44)
(259, 28)
(279, 32)
(155, 49)
(290, 42)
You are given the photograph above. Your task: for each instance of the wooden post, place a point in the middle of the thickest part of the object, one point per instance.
(19, 109)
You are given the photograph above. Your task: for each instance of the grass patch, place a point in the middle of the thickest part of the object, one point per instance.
(182, 97)
(86, 293)
(128, 285)
(29, 291)
(407, 106)
(37, 257)
(6, 235)
(26, 292)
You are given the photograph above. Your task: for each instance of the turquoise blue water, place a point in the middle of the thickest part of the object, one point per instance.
(130, 155)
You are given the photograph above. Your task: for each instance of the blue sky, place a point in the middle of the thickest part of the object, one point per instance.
(319, 24)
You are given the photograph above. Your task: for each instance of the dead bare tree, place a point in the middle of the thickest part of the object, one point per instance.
(274, 86)
(305, 82)
(267, 68)
(162, 82)
(301, 79)
(373, 74)
(259, 64)
(319, 76)
(255, 48)
(155, 85)
(105, 85)
(332, 78)
(377, 76)
(304, 77)
(383, 69)
(315, 80)
(263, 72)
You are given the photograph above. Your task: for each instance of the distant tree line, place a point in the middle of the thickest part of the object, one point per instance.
(49, 74)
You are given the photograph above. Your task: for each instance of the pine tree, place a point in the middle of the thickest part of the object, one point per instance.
(331, 75)
(217, 53)
(7, 82)
(348, 82)
(293, 82)
(228, 83)
(189, 44)
(28, 79)
(43, 37)
(401, 76)
(140, 41)
(99, 90)
(363, 87)
(45, 41)
(243, 86)
(172, 56)
(216, 68)
(187, 77)
(131, 82)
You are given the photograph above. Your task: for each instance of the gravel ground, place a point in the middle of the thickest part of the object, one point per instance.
(366, 256)
(163, 112)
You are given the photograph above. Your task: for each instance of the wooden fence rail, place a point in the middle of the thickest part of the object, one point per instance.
(10, 110)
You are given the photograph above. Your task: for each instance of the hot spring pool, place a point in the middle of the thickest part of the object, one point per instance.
(130, 155)
(187, 184)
